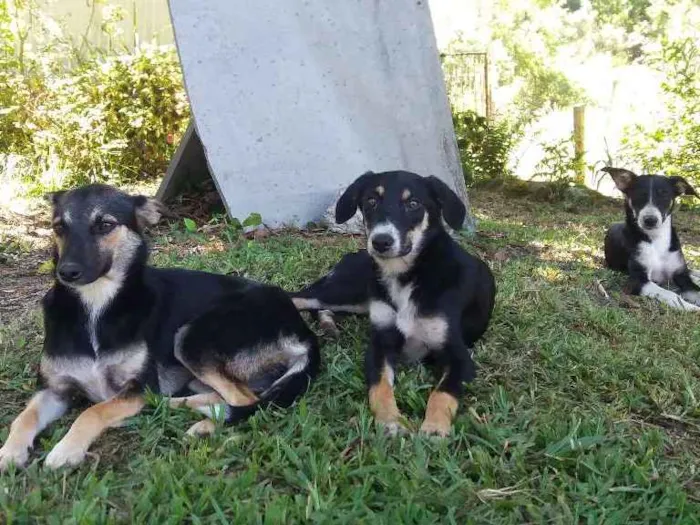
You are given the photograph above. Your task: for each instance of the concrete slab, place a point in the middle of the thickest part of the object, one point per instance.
(293, 100)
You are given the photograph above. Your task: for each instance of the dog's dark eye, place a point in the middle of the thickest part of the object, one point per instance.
(371, 202)
(103, 227)
(413, 204)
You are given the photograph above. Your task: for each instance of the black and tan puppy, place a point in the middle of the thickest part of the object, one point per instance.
(429, 300)
(115, 327)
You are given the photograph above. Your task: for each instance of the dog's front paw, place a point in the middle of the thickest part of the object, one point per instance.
(438, 429)
(13, 456)
(64, 455)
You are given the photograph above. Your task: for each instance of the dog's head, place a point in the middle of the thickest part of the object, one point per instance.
(649, 199)
(401, 210)
(98, 229)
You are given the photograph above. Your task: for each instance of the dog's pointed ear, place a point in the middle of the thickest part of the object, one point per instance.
(622, 178)
(53, 197)
(148, 211)
(452, 207)
(348, 202)
(682, 187)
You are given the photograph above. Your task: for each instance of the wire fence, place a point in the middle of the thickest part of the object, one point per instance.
(467, 82)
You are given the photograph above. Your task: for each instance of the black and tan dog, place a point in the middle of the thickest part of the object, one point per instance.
(115, 327)
(428, 299)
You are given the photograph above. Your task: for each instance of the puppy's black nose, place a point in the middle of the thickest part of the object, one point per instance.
(382, 242)
(650, 221)
(70, 272)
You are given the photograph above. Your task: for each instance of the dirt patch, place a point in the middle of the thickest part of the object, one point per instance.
(25, 245)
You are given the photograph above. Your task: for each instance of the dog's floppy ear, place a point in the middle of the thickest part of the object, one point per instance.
(148, 211)
(348, 202)
(53, 197)
(682, 187)
(453, 209)
(622, 178)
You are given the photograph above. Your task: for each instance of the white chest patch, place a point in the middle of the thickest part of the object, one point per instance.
(99, 378)
(661, 264)
(422, 333)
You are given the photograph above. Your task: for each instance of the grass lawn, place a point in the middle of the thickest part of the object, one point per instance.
(585, 410)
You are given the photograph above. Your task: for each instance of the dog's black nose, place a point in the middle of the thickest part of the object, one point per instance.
(382, 242)
(70, 272)
(650, 221)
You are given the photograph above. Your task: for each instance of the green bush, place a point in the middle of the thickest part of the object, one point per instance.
(674, 146)
(72, 119)
(484, 146)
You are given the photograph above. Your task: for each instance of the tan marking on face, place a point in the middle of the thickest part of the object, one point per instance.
(89, 426)
(382, 401)
(111, 242)
(96, 212)
(439, 413)
(380, 190)
(406, 194)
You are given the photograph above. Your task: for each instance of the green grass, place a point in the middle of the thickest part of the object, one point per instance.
(585, 409)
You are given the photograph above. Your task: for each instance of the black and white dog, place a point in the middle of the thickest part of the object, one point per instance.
(646, 245)
(429, 300)
(115, 327)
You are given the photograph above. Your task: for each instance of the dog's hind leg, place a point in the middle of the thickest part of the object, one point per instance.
(90, 425)
(44, 408)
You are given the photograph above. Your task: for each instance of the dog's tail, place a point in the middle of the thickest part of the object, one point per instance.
(345, 290)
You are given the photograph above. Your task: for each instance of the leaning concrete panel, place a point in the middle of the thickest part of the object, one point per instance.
(292, 100)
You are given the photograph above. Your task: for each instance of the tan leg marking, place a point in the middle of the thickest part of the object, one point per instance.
(235, 394)
(197, 400)
(44, 408)
(383, 403)
(439, 413)
(205, 427)
(89, 426)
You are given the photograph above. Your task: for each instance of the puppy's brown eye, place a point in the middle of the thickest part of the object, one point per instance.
(59, 228)
(103, 227)
(413, 204)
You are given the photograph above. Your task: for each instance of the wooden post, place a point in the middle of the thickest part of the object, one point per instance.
(579, 143)
(487, 89)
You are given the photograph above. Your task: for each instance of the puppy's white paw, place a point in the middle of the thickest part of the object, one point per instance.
(13, 456)
(64, 455)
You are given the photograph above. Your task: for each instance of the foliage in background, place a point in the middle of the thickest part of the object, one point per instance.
(484, 146)
(674, 147)
(71, 117)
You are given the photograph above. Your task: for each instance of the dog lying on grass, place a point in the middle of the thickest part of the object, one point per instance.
(646, 246)
(428, 299)
(115, 327)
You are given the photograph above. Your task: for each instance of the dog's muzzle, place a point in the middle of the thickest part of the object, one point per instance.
(384, 241)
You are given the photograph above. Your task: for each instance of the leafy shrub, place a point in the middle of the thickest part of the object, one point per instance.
(85, 118)
(484, 146)
(673, 147)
